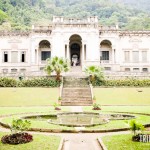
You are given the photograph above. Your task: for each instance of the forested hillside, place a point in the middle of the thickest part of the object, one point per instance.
(21, 14)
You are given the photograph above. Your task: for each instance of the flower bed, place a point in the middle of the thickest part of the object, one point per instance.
(17, 138)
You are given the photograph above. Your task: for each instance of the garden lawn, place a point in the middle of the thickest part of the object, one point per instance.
(117, 124)
(18, 110)
(28, 96)
(40, 142)
(122, 96)
(129, 109)
(123, 142)
(47, 96)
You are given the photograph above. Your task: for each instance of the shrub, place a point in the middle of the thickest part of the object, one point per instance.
(17, 138)
(96, 106)
(35, 82)
(19, 125)
(39, 82)
(123, 82)
(135, 127)
(56, 106)
(8, 82)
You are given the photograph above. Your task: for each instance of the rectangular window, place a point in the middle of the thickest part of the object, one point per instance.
(105, 55)
(135, 56)
(127, 56)
(144, 56)
(23, 58)
(45, 55)
(14, 56)
(5, 56)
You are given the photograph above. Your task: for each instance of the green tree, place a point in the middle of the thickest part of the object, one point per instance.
(3, 17)
(94, 72)
(58, 65)
(19, 125)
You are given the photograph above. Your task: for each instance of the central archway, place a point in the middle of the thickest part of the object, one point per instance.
(75, 45)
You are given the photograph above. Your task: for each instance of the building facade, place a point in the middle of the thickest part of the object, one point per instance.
(83, 42)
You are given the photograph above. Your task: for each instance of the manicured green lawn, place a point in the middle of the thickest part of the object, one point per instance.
(130, 109)
(40, 142)
(28, 96)
(122, 96)
(117, 124)
(123, 142)
(17, 110)
(47, 96)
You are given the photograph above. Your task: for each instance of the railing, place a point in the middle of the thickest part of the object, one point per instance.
(91, 88)
(61, 89)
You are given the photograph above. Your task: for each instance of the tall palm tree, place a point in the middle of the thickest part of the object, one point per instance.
(93, 72)
(58, 65)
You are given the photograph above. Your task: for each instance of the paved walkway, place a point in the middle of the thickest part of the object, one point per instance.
(76, 109)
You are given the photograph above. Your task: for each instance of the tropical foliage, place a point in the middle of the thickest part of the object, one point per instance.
(129, 14)
(135, 126)
(19, 125)
(18, 136)
(58, 65)
(94, 72)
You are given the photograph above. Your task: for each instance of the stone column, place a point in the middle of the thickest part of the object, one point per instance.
(113, 54)
(32, 52)
(68, 52)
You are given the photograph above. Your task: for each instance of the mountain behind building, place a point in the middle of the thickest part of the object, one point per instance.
(21, 14)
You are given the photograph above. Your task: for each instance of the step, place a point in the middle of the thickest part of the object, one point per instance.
(76, 104)
(76, 93)
(77, 89)
(76, 96)
(76, 101)
(79, 98)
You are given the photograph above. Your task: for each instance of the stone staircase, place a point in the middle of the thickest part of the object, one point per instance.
(76, 92)
(75, 71)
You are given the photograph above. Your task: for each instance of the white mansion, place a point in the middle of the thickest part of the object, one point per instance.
(83, 42)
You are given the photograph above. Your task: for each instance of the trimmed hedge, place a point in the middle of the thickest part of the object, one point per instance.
(51, 82)
(35, 82)
(123, 82)
(8, 82)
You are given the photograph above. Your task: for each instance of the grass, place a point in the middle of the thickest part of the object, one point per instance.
(122, 96)
(17, 110)
(28, 96)
(117, 124)
(37, 123)
(130, 109)
(122, 142)
(40, 142)
(47, 96)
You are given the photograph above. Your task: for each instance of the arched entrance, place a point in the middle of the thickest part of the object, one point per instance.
(75, 50)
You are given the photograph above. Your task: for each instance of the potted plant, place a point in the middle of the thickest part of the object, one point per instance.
(56, 106)
(96, 106)
(137, 129)
(17, 135)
